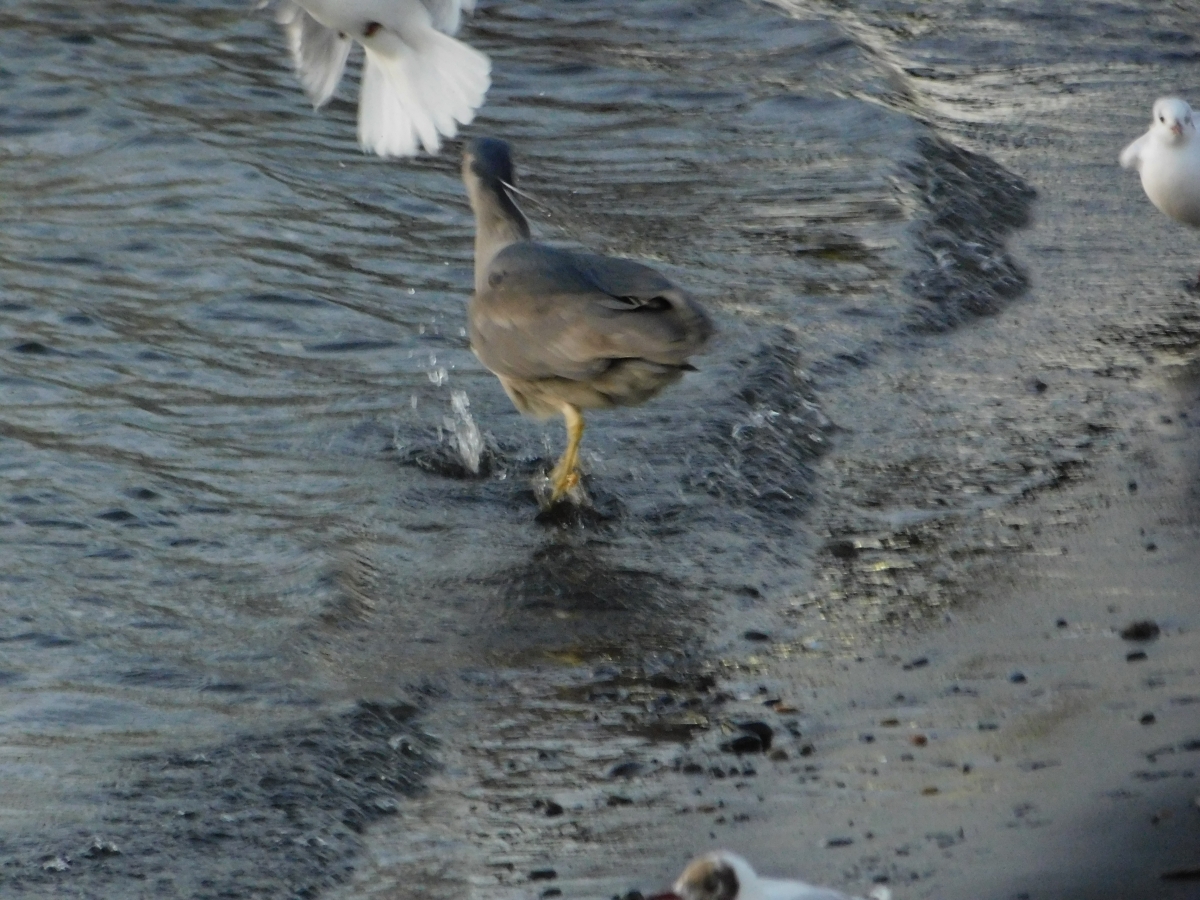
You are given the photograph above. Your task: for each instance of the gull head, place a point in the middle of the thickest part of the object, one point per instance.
(1173, 120)
(715, 876)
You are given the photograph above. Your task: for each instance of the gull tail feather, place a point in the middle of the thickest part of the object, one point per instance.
(418, 91)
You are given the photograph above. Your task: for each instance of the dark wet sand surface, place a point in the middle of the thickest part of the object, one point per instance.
(264, 638)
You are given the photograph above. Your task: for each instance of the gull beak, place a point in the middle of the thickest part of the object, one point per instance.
(1177, 128)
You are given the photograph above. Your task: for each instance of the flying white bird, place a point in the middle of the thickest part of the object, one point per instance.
(722, 875)
(418, 83)
(1168, 159)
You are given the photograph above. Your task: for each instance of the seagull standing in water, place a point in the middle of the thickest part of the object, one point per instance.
(722, 875)
(418, 83)
(1168, 159)
(566, 331)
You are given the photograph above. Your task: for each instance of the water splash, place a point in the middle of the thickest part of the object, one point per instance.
(464, 433)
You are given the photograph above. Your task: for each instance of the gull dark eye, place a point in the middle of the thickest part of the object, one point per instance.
(1162, 118)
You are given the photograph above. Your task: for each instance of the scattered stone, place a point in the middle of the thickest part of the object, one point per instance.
(1181, 875)
(1135, 656)
(889, 723)
(756, 738)
(1147, 719)
(1060, 623)
(625, 769)
(928, 791)
(617, 800)
(1143, 630)
(542, 875)
(553, 809)
(1151, 547)
(988, 726)
(759, 637)
(867, 738)
(1017, 678)
(692, 768)
(1132, 487)
(551, 892)
(779, 754)
(918, 740)
(100, 848)
(807, 750)
(841, 548)
(919, 663)
(744, 743)
(839, 842)
(764, 732)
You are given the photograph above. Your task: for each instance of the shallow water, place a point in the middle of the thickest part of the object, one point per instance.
(234, 501)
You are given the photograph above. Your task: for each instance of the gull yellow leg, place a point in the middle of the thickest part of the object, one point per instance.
(565, 474)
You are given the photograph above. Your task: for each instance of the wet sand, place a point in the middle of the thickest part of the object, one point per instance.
(986, 732)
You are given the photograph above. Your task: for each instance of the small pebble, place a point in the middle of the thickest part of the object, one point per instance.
(625, 770)
(839, 842)
(918, 740)
(919, 663)
(542, 875)
(1017, 678)
(758, 637)
(1147, 719)
(553, 809)
(1143, 630)
(1135, 656)
(99, 848)
(1060, 623)
(744, 743)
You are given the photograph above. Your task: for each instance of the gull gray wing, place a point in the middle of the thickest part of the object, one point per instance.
(318, 53)
(550, 313)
